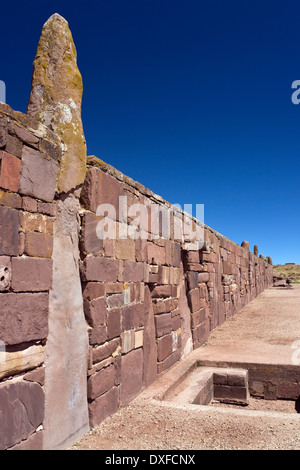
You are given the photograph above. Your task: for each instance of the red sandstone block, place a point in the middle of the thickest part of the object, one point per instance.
(131, 376)
(163, 324)
(38, 175)
(93, 290)
(22, 411)
(133, 271)
(13, 146)
(198, 317)
(9, 231)
(90, 243)
(100, 382)
(169, 361)
(156, 254)
(192, 257)
(209, 257)
(10, 172)
(170, 304)
(114, 323)
(29, 204)
(97, 335)
(101, 188)
(24, 317)
(95, 311)
(39, 245)
(164, 347)
(104, 351)
(26, 136)
(100, 269)
(162, 291)
(31, 274)
(125, 249)
(133, 316)
(203, 277)
(158, 306)
(104, 406)
(194, 300)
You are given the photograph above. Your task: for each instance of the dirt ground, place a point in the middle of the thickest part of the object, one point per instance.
(271, 325)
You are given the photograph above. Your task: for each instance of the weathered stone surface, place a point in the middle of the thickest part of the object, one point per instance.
(95, 311)
(66, 357)
(101, 188)
(31, 274)
(11, 200)
(21, 360)
(3, 131)
(9, 231)
(133, 271)
(100, 269)
(5, 273)
(38, 244)
(56, 95)
(10, 172)
(34, 442)
(22, 411)
(104, 406)
(101, 382)
(131, 376)
(24, 317)
(38, 175)
(90, 243)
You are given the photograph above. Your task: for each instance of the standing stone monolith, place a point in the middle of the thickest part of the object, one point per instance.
(55, 101)
(56, 96)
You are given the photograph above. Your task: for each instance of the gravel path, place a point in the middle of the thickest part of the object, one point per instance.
(161, 426)
(267, 335)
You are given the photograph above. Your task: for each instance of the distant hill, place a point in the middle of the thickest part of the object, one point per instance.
(288, 270)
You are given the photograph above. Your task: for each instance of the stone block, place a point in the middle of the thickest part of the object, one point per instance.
(95, 311)
(133, 316)
(192, 279)
(114, 322)
(9, 231)
(203, 277)
(101, 188)
(104, 351)
(164, 347)
(93, 290)
(125, 249)
(22, 411)
(34, 442)
(10, 172)
(90, 243)
(38, 175)
(39, 245)
(24, 317)
(156, 254)
(13, 146)
(133, 271)
(194, 300)
(103, 406)
(31, 274)
(29, 204)
(163, 324)
(26, 136)
(11, 200)
(162, 292)
(100, 269)
(131, 376)
(101, 382)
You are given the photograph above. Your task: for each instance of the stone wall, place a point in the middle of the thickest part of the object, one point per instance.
(149, 301)
(103, 284)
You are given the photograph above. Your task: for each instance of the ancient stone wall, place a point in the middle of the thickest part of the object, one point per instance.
(103, 284)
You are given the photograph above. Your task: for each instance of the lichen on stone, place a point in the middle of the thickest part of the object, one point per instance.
(56, 96)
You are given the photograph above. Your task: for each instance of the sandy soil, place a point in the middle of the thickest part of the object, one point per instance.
(265, 331)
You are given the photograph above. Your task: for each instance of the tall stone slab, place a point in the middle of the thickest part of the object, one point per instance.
(55, 101)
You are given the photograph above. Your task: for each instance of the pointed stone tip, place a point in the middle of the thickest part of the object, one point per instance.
(56, 17)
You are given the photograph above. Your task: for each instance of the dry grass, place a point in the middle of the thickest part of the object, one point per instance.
(291, 271)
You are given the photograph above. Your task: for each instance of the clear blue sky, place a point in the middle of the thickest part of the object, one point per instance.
(191, 98)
